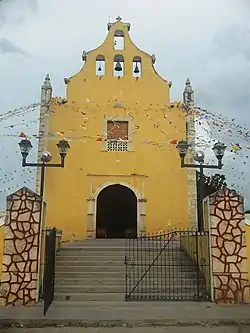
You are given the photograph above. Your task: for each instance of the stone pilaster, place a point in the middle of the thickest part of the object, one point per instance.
(20, 271)
(142, 230)
(188, 99)
(91, 223)
(46, 95)
(228, 248)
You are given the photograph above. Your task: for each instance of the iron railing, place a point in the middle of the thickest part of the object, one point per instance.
(169, 266)
(49, 269)
(211, 184)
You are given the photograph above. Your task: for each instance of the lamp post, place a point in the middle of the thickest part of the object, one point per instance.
(219, 150)
(26, 146)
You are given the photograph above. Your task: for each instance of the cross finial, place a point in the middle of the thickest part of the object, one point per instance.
(118, 18)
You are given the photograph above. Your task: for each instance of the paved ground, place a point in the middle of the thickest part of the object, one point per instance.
(129, 315)
(131, 330)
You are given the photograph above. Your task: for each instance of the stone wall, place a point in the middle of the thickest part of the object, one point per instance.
(21, 249)
(228, 248)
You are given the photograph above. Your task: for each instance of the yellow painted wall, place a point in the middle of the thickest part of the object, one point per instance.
(1, 247)
(248, 249)
(67, 190)
(193, 243)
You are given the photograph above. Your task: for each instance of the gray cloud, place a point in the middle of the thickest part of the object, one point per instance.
(16, 11)
(7, 46)
(233, 39)
(20, 19)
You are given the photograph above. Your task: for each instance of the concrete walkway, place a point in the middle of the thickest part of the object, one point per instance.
(128, 314)
(218, 329)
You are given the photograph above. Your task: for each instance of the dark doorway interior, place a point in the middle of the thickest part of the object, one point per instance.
(116, 215)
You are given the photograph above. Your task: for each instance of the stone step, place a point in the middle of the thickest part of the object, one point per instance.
(122, 268)
(94, 248)
(154, 288)
(113, 297)
(88, 254)
(118, 255)
(90, 280)
(122, 242)
(117, 251)
(121, 275)
(72, 280)
(90, 258)
(89, 297)
(111, 304)
(92, 268)
(91, 274)
(119, 262)
(94, 304)
(97, 262)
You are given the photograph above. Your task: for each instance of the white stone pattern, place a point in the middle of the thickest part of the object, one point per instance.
(117, 146)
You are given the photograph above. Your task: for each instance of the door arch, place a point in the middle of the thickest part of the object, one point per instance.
(116, 212)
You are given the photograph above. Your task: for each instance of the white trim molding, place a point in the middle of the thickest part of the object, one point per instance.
(92, 209)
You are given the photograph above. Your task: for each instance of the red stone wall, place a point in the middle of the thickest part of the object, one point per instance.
(228, 248)
(21, 249)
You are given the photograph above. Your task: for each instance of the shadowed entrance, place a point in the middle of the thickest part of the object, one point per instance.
(116, 215)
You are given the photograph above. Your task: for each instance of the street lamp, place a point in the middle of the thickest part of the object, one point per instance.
(25, 148)
(219, 150)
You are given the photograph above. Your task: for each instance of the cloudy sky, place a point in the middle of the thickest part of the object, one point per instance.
(209, 41)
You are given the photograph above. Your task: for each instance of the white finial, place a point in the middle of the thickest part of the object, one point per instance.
(188, 87)
(188, 94)
(46, 91)
(47, 83)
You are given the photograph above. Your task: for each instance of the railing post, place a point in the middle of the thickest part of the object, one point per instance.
(197, 264)
(49, 269)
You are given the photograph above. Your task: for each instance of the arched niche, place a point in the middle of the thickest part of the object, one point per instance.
(100, 65)
(119, 40)
(137, 66)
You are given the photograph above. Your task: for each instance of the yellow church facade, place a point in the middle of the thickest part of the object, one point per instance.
(122, 174)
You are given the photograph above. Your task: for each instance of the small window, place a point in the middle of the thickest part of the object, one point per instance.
(119, 40)
(100, 65)
(118, 65)
(137, 68)
(117, 133)
(117, 130)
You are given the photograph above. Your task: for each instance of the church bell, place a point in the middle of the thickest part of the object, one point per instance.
(99, 68)
(136, 70)
(118, 67)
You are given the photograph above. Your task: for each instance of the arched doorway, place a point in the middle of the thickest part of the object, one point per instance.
(116, 215)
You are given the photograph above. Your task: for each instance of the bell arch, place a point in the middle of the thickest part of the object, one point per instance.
(100, 65)
(118, 65)
(119, 40)
(137, 66)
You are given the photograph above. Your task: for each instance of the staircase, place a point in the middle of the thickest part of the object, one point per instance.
(94, 270)
(91, 270)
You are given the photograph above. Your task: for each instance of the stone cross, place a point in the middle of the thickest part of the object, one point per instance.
(118, 18)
